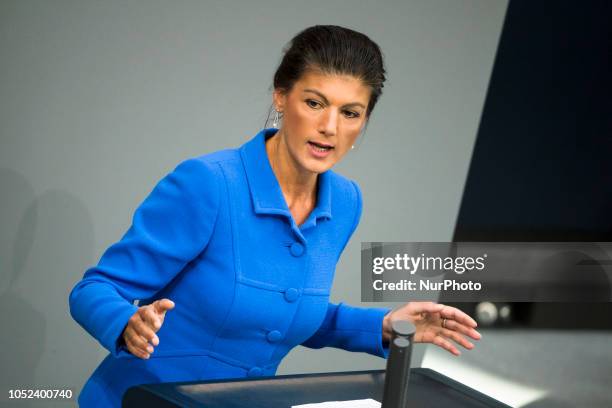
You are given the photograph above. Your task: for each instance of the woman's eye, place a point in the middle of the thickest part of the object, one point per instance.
(351, 114)
(313, 104)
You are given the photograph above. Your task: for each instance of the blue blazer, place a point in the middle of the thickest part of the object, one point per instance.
(217, 238)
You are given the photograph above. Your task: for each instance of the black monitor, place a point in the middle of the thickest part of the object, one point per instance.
(541, 168)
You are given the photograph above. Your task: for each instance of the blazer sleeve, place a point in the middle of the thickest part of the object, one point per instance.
(347, 327)
(169, 229)
(353, 329)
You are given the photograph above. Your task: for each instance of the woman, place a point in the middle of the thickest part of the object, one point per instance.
(232, 255)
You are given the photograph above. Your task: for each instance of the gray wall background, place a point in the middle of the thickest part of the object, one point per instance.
(100, 99)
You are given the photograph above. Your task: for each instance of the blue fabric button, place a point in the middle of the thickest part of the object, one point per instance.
(296, 249)
(291, 294)
(255, 372)
(274, 336)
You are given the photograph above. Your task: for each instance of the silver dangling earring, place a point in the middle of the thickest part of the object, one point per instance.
(352, 147)
(276, 119)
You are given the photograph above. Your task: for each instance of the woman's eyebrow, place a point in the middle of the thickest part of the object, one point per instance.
(314, 91)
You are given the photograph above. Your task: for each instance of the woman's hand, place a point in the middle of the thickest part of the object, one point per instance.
(139, 334)
(435, 323)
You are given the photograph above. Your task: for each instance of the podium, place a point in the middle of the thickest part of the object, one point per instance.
(427, 388)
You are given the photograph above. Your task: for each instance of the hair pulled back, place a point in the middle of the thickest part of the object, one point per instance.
(332, 50)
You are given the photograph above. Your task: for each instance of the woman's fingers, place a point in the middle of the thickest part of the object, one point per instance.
(463, 329)
(138, 352)
(446, 345)
(151, 318)
(139, 334)
(163, 305)
(445, 325)
(457, 338)
(133, 335)
(144, 329)
(449, 312)
(136, 344)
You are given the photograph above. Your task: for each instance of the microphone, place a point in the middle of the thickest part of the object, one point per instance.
(395, 393)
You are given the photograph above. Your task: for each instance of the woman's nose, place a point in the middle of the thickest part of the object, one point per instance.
(329, 122)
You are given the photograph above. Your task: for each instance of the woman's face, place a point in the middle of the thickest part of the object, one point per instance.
(323, 115)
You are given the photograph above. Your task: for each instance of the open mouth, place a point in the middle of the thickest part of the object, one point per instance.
(320, 147)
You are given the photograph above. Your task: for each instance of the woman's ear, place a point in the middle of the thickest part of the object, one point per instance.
(278, 99)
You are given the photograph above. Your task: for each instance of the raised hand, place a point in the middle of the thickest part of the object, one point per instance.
(139, 334)
(435, 323)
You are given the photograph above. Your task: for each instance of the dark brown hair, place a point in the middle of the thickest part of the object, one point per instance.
(332, 50)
